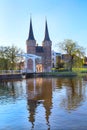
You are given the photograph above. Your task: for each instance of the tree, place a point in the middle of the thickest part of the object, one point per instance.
(59, 62)
(3, 59)
(74, 53)
(8, 57)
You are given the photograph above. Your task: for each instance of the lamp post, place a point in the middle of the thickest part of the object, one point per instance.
(11, 66)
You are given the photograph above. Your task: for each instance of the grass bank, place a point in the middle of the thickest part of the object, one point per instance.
(74, 72)
(57, 74)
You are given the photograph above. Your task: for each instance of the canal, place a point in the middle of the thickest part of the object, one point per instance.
(44, 104)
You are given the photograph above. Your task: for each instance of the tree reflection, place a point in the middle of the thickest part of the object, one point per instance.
(46, 97)
(39, 91)
(9, 91)
(85, 78)
(75, 93)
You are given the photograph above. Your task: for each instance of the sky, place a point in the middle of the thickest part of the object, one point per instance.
(67, 19)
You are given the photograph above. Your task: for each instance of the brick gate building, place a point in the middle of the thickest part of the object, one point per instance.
(44, 51)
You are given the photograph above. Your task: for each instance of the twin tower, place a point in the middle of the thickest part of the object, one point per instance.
(44, 51)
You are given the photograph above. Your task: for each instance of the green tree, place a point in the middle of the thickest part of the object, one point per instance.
(59, 62)
(3, 59)
(74, 51)
(8, 57)
(11, 55)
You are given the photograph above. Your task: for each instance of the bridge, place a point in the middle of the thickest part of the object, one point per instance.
(10, 74)
(27, 57)
(16, 74)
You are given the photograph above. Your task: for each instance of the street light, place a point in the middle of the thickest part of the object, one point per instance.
(11, 66)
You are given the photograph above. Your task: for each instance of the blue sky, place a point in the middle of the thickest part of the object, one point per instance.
(67, 19)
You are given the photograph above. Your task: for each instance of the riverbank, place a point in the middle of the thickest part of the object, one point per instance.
(10, 77)
(41, 74)
(56, 74)
(51, 74)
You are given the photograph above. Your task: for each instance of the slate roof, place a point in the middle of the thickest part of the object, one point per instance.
(46, 38)
(31, 35)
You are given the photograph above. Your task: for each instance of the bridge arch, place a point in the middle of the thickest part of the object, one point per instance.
(28, 57)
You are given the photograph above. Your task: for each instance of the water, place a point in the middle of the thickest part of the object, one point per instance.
(44, 104)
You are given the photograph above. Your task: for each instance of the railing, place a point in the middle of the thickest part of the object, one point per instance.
(10, 72)
(15, 71)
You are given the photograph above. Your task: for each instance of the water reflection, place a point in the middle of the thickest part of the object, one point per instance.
(75, 93)
(43, 103)
(85, 78)
(40, 91)
(10, 91)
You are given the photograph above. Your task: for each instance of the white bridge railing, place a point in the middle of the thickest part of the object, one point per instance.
(10, 72)
(15, 71)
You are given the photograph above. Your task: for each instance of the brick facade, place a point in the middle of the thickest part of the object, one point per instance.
(44, 51)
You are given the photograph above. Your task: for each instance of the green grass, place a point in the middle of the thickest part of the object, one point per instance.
(80, 69)
(62, 73)
(75, 71)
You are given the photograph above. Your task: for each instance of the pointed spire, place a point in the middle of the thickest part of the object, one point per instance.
(31, 35)
(46, 38)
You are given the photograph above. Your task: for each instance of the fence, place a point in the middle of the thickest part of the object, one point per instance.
(10, 72)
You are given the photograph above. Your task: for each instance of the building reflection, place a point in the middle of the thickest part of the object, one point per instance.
(45, 95)
(39, 91)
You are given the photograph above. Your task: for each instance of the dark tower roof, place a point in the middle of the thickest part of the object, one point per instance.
(31, 35)
(46, 38)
